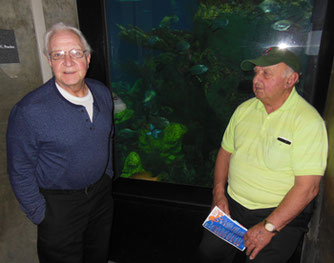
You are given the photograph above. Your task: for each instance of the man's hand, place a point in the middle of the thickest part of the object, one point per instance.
(220, 200)
(256, 239)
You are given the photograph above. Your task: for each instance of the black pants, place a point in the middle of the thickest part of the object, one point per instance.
(279, 250)
(77, 225)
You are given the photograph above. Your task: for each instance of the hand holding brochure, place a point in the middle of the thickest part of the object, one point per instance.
(226, 228)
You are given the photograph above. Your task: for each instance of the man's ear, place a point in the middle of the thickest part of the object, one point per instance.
(292, 79)
(88, 60)
(49, 60)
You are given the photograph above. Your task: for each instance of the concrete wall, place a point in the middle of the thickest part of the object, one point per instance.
(17, 233)
(318, 244)
(326, 226)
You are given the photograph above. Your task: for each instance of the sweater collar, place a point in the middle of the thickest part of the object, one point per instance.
(52, 81)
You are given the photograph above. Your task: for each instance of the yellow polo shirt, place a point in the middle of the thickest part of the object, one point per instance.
(269, 150)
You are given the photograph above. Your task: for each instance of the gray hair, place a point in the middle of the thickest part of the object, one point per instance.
(288, 71)
(62, 27)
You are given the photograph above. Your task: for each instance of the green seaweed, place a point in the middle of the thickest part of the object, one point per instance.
(132, 165)
(123, 116)
(168, 146)
(190, 83)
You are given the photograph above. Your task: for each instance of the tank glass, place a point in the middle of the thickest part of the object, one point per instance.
(176, 77)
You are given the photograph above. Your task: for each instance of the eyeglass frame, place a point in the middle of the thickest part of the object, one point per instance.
(67, 52)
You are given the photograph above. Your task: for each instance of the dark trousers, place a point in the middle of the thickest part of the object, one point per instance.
(77, 225)
(213, 250)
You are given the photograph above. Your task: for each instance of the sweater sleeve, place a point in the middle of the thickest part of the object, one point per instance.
(22, 156)
(109, 170)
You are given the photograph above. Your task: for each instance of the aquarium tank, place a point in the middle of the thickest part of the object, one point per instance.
(176, 77)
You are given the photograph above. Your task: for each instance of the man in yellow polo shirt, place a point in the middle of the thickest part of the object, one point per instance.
(273, 156)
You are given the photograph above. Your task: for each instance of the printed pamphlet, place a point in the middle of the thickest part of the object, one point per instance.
(226, 228)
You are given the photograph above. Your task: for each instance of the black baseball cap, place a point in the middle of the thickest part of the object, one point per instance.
(273, 56)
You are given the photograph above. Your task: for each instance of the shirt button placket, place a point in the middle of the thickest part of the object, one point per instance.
(91, 127)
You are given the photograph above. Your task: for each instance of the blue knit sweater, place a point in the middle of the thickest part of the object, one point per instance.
(52, 144)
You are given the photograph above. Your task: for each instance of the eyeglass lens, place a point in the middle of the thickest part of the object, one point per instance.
(74, 53)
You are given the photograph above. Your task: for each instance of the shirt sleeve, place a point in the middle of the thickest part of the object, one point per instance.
(22, 156)
(310, 149)
(228, 138)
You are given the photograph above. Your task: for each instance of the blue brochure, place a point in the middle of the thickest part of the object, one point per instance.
(226, 228)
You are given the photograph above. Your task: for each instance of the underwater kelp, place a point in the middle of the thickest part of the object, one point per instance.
(175, 88)
(132, 165)
(190, 82)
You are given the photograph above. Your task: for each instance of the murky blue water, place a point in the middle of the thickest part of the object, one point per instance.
(176, 78)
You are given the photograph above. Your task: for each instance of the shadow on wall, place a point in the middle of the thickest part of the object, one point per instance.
(326, 227)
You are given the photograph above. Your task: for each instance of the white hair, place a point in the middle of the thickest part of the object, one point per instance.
(287, 72)
(62, 27)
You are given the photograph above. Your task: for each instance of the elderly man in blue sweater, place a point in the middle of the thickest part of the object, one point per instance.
(59, 155)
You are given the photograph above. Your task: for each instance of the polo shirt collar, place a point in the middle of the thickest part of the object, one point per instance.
(287, 105)
(291, 101)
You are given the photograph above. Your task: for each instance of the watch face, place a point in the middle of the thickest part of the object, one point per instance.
(269, 226)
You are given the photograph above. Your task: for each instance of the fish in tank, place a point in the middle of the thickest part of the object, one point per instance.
(175, 70)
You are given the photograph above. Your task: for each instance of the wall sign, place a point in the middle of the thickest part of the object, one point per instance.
(8, 48)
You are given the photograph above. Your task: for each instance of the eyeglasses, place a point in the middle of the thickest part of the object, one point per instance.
(60, 54)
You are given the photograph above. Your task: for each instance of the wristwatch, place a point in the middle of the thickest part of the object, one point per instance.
(269, 226)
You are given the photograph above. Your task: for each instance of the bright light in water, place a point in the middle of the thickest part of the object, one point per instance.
(283, 45)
